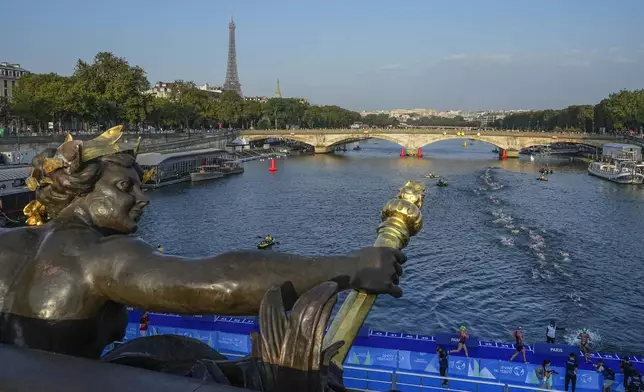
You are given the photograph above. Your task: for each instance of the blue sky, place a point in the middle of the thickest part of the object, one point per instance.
(360, 54)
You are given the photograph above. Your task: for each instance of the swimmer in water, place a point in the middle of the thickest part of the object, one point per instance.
(462, 333)
(584, 343)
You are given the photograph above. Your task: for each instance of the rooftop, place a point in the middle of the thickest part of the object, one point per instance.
(621, 145)
(156, 158)
(4, 64)
(14, 173)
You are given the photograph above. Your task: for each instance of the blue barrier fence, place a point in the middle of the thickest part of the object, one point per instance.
(406, 356)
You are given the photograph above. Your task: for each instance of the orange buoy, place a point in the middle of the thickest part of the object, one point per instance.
(420, 153)
(273, 168)
(402, 152)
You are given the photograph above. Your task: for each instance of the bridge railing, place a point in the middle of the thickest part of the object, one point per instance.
(433, 131)
(359, 378)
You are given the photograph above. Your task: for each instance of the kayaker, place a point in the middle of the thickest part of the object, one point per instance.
(584, 343)
(268, 238)
(159, 249)
(462, 333)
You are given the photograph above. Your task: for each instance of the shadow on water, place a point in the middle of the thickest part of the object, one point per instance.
(498, 248)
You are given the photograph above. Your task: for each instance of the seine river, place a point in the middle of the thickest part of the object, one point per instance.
(498, 248)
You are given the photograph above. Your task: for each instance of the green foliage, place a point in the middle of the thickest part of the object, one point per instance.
(619, 111)
(457, 121)
(577, 118)
(379, 120)
(109, 91)
(5, 112)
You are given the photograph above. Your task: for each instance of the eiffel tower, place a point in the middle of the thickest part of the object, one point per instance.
(232, 78)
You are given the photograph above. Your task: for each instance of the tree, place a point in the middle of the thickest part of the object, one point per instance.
(113, 89)
(230, 108)
(5, 112)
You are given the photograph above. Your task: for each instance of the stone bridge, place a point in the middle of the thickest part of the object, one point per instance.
(509, 142)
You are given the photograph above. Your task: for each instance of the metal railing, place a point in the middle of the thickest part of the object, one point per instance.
(395, 381)
(432, 131)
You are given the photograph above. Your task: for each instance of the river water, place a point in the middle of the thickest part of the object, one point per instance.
(498, 248)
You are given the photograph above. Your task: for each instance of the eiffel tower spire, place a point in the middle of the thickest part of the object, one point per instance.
(232, 78)
(278, 93)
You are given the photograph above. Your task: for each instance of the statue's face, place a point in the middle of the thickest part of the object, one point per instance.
(117, 201)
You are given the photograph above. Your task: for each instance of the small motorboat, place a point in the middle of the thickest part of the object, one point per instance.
(206, 172)
(231, 167)
(266, 244)
(545, 170)
(431, 175)
(542, 178)
(357, 148)
(441, 182)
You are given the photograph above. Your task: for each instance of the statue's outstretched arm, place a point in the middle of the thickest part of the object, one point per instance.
(129, 271)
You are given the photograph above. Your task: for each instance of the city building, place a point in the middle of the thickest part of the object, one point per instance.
(9, 75)
(258, 99)
(212, 90)
(161, 89)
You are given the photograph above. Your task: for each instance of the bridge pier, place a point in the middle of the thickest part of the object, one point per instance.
(505, 154)
(323, 149)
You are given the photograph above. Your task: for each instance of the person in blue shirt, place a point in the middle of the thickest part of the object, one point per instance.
(442, 363)
(571, 372)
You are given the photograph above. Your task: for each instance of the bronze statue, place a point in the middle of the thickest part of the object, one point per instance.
(65, 281)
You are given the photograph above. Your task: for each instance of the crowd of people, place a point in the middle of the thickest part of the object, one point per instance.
(633, 381)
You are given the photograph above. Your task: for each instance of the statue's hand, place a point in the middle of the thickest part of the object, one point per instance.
(379, 271)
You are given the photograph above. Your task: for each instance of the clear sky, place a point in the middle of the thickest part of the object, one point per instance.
(360, 54)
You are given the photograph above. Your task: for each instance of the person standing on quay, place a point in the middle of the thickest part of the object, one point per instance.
(571, 372)
(544, 374)
(442, 363)
(520, 348)
(608, 373)
(462, 333)
(144, 323)
(551, 331)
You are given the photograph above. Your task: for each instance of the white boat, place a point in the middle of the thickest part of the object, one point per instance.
(206, 172)
(622, 172)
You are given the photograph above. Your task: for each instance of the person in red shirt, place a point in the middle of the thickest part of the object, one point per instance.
(520, 348)
(144, 323)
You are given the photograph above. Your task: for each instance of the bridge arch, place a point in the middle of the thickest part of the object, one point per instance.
(295, 138)
(494, 141)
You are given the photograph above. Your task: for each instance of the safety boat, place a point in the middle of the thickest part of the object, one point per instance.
(431, 175)
(266, 244)
(441, 182)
